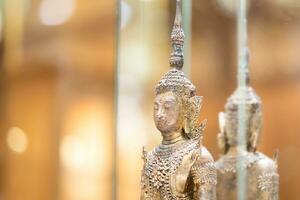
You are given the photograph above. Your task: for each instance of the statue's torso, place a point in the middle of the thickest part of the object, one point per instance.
(161, 165)
(261, 177)
(159, 173)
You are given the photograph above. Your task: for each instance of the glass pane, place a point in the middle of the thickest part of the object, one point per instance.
(273, 31)
(56, 99)
(144, 49)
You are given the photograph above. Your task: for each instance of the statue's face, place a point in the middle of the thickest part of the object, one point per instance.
(252, 123)
(231, 127)
(168, 115)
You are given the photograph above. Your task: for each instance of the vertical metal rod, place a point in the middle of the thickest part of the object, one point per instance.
(242, 83)
(242, 44)
(187, 23)
(116, 100)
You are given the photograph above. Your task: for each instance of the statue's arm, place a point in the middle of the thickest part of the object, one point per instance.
(204, 175)
(147, 192)
(268, 184)
(145, 187)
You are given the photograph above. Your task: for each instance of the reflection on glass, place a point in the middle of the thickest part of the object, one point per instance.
(230, 6)
(1, 23)
(126, 12)
(144, 45)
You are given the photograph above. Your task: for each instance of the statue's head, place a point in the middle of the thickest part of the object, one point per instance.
(243, 98)
(176, 108)
(172, 94)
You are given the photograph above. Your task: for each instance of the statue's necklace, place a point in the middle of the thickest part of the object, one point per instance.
(162, 161)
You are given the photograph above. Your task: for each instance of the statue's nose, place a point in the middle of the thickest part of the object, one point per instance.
(160, 113)
(160, 117)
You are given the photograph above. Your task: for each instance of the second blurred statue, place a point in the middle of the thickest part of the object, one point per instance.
(243, 172)
(260, 172)
(180, 168)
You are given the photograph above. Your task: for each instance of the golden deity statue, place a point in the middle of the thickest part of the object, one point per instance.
(179, 168)
(261, 177)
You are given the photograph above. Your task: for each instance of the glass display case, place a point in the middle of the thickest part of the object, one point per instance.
(77, 89)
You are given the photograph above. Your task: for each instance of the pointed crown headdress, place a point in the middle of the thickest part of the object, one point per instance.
(244, 95)
(175, 81)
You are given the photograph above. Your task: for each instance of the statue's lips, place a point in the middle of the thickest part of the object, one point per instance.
(162, 123)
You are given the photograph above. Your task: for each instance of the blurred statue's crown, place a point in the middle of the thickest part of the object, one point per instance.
(243, 95)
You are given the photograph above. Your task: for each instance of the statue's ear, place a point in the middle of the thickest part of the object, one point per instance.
(255, 128)
(221, 136)
(186, 127)
(275, 156)
(222, 122)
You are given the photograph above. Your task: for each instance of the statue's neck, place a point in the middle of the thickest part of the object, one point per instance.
(172, 138)
(236, 150)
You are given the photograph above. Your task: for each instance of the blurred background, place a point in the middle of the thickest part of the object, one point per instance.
(77, 80)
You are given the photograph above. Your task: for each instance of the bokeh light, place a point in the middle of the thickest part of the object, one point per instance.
(17, 140)
(56, 12)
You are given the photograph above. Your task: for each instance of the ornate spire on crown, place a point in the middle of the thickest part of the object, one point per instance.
(177, 38)
(175, 80)
(244, 94)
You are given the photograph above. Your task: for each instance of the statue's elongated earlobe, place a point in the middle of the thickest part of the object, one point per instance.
(255, 129)
(222, 143)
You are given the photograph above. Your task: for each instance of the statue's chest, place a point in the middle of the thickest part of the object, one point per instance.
(231, 164)
(162, 163)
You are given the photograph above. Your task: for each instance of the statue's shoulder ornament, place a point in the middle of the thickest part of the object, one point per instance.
(268, 179)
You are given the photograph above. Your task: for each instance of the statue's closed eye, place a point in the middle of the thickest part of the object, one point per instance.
(167, 105)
